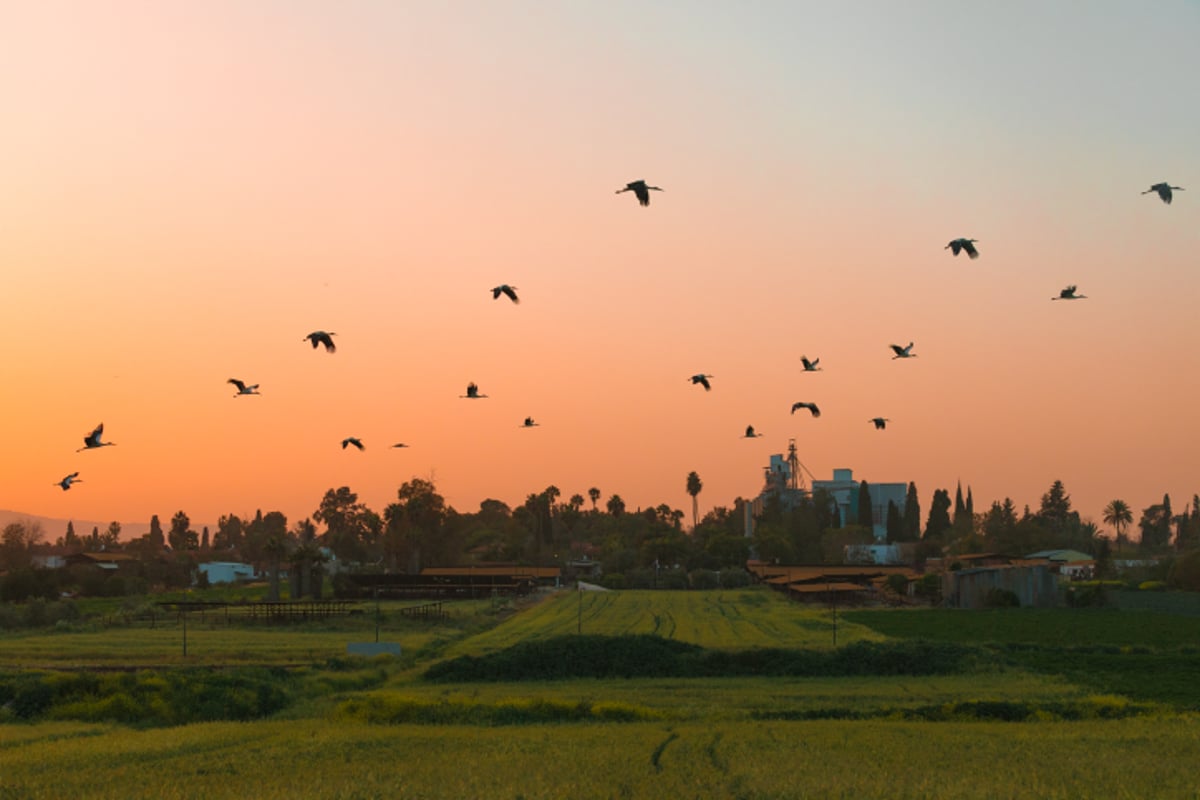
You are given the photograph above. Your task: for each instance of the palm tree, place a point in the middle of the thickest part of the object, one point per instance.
(594, 494)
(1118, 514)
(694, 485)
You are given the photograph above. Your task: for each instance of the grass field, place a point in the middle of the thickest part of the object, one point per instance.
(378, 729)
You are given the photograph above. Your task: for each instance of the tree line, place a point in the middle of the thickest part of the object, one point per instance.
(632, 548)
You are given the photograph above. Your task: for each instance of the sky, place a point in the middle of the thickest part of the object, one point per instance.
(191, 188)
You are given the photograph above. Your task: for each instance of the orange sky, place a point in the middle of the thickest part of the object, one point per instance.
(189, 189)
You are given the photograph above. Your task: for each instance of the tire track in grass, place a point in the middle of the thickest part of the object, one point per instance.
(656, 756)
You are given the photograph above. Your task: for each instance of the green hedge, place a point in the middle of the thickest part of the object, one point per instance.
(647, 656)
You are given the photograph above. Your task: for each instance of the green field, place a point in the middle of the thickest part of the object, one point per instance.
(376, 729)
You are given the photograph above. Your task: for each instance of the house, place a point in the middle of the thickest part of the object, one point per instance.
(1070, 564)
(107, 562)
(1032, 584)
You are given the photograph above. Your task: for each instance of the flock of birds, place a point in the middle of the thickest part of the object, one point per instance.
(641, 191)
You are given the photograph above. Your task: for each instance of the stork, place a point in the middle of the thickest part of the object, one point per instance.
(473, 393)
(529, 423)
(1069, 294)
(92, 440)
(816, 412)
(750, 433)
(66, 482)
(810, 366)
(508, 291)
(879, 422)
(399, 444)
(903, 352)
(702, 380)
(243, 388)
(352, 440)
(1164, 191)
(640, 190)
(321, 337)
(958, 245)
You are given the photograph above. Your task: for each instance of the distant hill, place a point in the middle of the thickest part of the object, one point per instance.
(52, 527)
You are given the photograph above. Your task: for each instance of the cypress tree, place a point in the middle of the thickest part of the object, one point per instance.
(912, 515)
(865, 517)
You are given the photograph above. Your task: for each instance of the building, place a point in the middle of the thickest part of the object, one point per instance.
(226, 571)
(844, 491)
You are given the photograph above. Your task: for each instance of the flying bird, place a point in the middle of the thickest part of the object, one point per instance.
(508, 291)
(66, 482)
(321, 337)
(529, 423)
(903, 352)
(958, 245)
(750, 433)
(92, 440)
(243, 388)
(879, 422)
(351, 440)
(702, 380)
(1069, 294)
(1164, 191)
(810, 366)
(399, 444)
(816, 412)
(641, 190)
(473, 393)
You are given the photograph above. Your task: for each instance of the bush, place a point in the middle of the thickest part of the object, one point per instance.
(702, 579)
(1001, 598)
(734, 578)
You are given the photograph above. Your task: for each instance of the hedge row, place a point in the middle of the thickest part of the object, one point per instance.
(647, 656)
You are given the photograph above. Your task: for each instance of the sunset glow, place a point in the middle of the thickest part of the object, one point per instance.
(192, 188)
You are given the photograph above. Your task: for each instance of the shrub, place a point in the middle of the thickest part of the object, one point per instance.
(1001, 598)
(734, 578)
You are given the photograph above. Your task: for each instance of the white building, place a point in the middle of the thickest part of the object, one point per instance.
(844, 490)
(226, 571)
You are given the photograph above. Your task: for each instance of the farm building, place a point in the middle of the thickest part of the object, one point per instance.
(1032, 584)
(226, 571)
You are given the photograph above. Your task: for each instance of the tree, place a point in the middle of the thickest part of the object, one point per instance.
(615, 505)
(694, 485)
(939, 516)
(1155, 525)
(576, 502)
(1055, 512)
(181, 537)
(866, 518)
(70, 539)
(351, 529)
(1118, 514)
(156, 538)
(204, 538)
(895, 523)
(960, 508)
(414, 522)
(912, 515)
(111, 538)
(594, 495)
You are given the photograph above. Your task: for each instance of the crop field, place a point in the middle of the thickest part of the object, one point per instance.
(1054, 704)
(721, 619)
(828, 759)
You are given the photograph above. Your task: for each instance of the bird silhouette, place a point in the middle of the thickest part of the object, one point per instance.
(1164, 191)
(810, 366)
(92, 440)
(473, 393)
(750, 433)
(66, 482)
(1069, 294)
(529, 423)
(816, 412)
(508, 291)
(321, 337)
(702, 380)
(879, 422)
(640, 190)
(958, 245)
(352, 440)
(903, 352)
(243, 388)
(399, 444)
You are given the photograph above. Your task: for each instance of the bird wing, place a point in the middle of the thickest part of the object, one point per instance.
(971, 251)
(241, 387)
(643, 194)
(955, 246)
(327, 340)
(897, 349)
(704, 382)
(816, 412)
(512, 295)
(496, 292)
